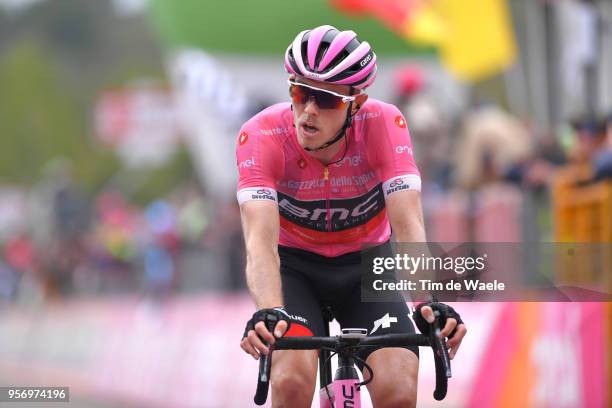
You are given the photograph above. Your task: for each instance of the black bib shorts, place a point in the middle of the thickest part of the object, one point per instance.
(312, 283)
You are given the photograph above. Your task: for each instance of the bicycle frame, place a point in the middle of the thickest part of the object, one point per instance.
(344, 390)
(344, 393)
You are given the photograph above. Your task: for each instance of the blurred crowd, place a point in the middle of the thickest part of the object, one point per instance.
(63, 242)
(485, 155)
(486, 144)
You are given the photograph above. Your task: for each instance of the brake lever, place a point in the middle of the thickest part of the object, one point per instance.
(440, 343)
(441, 359)
(265, 366)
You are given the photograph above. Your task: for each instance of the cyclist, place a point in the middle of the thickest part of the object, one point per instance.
(313, 187)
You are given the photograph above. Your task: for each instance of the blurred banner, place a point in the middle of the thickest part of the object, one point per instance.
(547, 355)
(474, 37)
(211, 105)
(139, 121)
(453, 27)
(185, 353)
(251, 28)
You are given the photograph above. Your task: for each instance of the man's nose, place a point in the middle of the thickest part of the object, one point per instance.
(311, 106)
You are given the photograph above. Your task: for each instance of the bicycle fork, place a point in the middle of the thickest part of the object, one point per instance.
(343, 391)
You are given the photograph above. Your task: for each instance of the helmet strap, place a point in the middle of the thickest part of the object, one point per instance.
(341, 132)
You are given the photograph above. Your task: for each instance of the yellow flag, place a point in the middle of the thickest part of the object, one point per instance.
(474, 37)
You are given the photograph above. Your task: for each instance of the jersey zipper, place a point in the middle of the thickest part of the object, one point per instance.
(327, 203)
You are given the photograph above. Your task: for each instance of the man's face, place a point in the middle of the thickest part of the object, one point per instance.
(315, 126)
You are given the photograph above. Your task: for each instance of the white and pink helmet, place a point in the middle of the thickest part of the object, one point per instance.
(328, 55)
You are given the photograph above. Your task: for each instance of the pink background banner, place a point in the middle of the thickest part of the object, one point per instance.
(185, 353)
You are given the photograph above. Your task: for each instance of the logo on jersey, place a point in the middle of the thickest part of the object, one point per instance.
(256, 193)
(263, 195)
(384, 322)
(246, 163)
(400, 121)
(301, 163)
(405, 182)
(396, 183)
(366, 115)
(342, 181)
(403, 149)
(342, 214)
(242, 139)
(353, 161)
(275, 131)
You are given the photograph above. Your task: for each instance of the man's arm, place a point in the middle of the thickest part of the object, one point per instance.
(406, 218)
(260, 224)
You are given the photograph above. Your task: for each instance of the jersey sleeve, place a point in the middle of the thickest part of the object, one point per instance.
(260, 163)
(393, 153)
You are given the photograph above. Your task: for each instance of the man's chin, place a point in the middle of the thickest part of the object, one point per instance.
(307, 143)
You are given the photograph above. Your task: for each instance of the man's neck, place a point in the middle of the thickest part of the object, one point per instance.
(327, 155)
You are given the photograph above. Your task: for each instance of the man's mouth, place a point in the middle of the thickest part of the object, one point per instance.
(309, 130)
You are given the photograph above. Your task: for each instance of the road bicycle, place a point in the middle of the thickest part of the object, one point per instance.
(344, 389)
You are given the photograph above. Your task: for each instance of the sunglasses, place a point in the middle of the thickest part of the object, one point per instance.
(301, 94)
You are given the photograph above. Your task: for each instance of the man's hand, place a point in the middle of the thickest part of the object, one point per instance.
(454, 328)
(256, 331)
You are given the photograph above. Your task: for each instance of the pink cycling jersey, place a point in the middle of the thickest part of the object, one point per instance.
(335, 209)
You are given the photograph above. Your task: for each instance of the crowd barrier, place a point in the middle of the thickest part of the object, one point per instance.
(582, 212)
(491, 214)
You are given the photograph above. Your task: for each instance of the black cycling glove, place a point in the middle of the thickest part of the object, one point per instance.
(445, 311)
(270, 317)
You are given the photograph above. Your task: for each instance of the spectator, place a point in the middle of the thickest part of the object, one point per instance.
(536, 172)
(492, 143)
(588, 133)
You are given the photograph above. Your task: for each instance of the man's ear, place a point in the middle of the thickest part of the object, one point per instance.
(359, 101)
